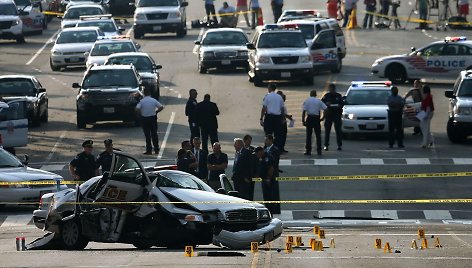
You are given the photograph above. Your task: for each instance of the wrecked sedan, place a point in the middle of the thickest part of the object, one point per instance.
(165, 208)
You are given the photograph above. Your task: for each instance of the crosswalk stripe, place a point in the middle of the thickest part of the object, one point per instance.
(418, 161)
(371, 161)
(16, 220)
(326, 162)
(387, 214)
(437, 214)
(462, 161)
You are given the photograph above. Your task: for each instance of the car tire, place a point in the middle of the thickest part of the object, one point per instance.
(339, 66)
(81, 123)
(20, 39)
(137, 34)
(156, 94)
(257, 81)
(71, 235)
(396, 73)
(453, 134)
(201, 69)
(53, 68)
(181, 32)
(36, 120)
(45, 116)
(45, 23)
(142, 245)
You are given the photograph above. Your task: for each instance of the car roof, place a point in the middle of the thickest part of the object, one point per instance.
(107, 67)
(225, 30)
(304, 21)
(121, 54)
(82, 6)
(466, 74)
(7, 2)
(25, 76)
(112, 40)
(81, 29)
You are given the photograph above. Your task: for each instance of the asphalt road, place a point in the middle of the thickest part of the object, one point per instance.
(54, 144)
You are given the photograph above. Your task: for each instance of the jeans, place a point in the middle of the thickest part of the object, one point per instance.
(149, 125)
(347, 15)
(243, 10)
(313, 123)
(277, 11)
(369, 17)
(425, 126)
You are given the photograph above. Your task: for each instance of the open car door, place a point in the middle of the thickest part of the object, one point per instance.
(410, 111)
(14, 123)
(125, 183)
(324, 52)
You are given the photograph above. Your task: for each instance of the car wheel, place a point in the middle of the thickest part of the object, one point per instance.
(142, 245)
(181, 32)
(36, 120)
(339, 65)
(156, 94)
(454, 135)
(396, 73)
(71, 235)
(45, 116)
(81, 123)
(201, 69)
(257, 81)
(137, 34)
(45, 23)
(54, 68)
(20, 39)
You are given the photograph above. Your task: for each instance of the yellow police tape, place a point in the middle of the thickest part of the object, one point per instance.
(409, 19)
(372, 201)
(308, 178)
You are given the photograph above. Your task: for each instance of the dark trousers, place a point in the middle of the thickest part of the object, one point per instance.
(395, 128)
(313, 123)
(212, 133)
(244, 188)
(271, 192)
(210, 10)
(277, 11)
(149, 125)
(283, 136)
(369, 17)
(347, 15)
(328, 122)
(255, 14)
(194, 130)
(273, 126)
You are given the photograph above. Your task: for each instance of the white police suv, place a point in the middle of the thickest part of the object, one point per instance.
(279, 52)
(438, 60)
(459, 125)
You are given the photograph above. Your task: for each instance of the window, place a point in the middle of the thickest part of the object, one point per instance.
(77, 37)
(142, 63)
(8, 10)
(307, 31)
(127, 170)
(466, 88)
(281, 39)
(434, 50)
(16, 110)
(75, 13)
(110, 78)
(464, 50)
(16, 87)
(367, 97)
(225, 38)
(158, 3)
(450, 50)
(325, 40)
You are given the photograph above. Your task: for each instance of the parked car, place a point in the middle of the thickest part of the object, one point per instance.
(109, 210)
(459, 125)
(11, 26)
(31, 13)
(27, 87)
(105, 47)
(72, 15)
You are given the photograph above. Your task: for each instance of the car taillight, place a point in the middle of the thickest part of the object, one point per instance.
(40, 202)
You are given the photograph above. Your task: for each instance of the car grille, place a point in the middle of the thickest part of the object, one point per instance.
(5, 24)
(109, 98)
(226, 54)
(73, 53)
(371, 118)
(157, 16)
(285, 60)
(79, 60)
(242, 215)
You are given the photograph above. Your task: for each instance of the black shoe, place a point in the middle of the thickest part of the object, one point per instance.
(156, 151)
(325, 148)
(339, 148)
(284, 151)
(147, 152)
(307, 153)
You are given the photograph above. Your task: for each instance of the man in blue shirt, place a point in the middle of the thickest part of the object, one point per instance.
(277, 6)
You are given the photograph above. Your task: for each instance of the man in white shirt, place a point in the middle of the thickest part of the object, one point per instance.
(312, 108)
(271, 114)
(147, 109)
(228, 16)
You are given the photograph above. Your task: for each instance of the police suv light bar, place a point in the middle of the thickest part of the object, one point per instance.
(455, 38)
(96, 17)
(371, 83)
(281, 26)
(115, 37)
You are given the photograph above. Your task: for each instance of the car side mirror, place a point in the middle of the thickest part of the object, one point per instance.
(197, 42)
(184, 4)
(233, 193)
(138, 46)
(25, 160)
(86, 54)
(121, 29)
(413, 49)
(449, 94)
(250, 46)
(221, 191)
(75, 85)
(157, 66)
(41, 90)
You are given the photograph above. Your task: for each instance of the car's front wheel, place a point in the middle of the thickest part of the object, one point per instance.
(454, 135)
(201, 69)
(71, 235)
(396, 73)
(339, 65)
(81, 123)
(20, 39)
(53, 68)
(137, 34)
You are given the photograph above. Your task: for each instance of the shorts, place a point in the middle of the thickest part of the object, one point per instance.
(464, 9)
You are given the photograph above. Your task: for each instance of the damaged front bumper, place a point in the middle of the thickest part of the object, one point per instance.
(243, 239)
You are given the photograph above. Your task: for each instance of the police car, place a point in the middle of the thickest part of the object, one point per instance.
(107, 46)
(105, 22)
(279, 52)
(439, 60)
(73, 14)
(31, 13)
(11, 26)
(365, 108)
(459, 125)
(292, 14)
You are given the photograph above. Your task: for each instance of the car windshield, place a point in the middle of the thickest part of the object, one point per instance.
(106, 49)
(22, 3)
(16, 87)
(225, 38)
(142, 63)
(8, 9)
(308, 31)
(75, 13)
(7, 160)
(105, 26)
(466, 89)
(367, 97)
(282, 39)
(110, 78)
(77, 37)
(158, 3)
(181, 180)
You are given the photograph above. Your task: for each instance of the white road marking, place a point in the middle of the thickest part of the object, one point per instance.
(417, 161)
(166, 136)
(179, 96)
(16, 220)
(331, 214)
(462, 161)
(379, 257)
(50, 40)
(371, 161)
(326, 162)
(285, 162)
(389, 214)
(437, 214)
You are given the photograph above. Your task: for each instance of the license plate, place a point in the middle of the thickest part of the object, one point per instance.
(285, 74)
(371, 126)
(75, 59)
(109, 110)
(226, 62)
(157, 28)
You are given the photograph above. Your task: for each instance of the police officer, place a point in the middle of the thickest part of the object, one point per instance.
(147, 109)
(104, 158)
(333, 114)
(395, 118)
(191, 113)
(266, 170)
(84, 165)
(312, 108)
(271, 114)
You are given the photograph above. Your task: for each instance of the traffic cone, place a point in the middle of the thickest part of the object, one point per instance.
(260, 18)
(352, 20)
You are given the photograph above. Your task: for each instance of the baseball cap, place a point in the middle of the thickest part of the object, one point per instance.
(108, 142)
(88, 143)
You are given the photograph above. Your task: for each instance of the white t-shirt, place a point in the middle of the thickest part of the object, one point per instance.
(313, 106)
(273, 103)
(148, 106)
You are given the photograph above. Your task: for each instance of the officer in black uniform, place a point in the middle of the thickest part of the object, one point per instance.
(266, 170)
(333, 114)
(84, 165)
(104, 159)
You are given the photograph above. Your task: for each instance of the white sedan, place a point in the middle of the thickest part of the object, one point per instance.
(14, 182)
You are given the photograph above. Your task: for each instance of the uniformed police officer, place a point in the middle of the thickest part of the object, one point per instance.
(84, 165)
(104, 158)
(395, 118)
(266, 170)
(333, 114)
(312, 108)
(271, 114)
